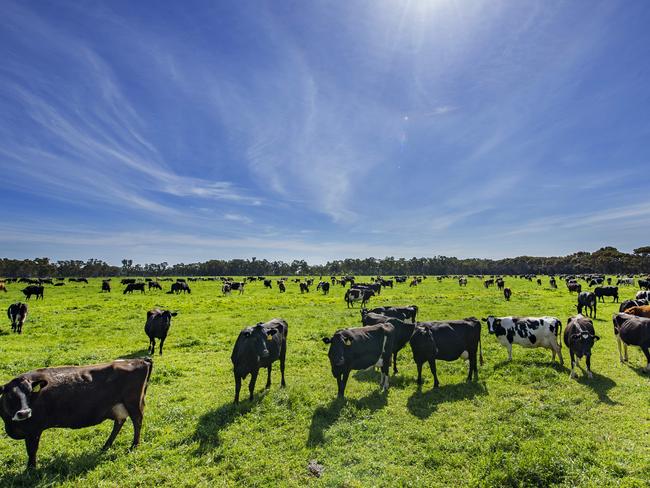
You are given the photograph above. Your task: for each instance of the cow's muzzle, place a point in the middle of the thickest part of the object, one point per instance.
(21, 415)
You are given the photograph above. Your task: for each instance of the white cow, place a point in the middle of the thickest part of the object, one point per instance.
(527, 332)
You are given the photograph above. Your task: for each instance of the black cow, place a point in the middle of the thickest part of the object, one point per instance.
(606, 291)
(552, 282)
(358, 295)
(126, 281)
(75, 397)
(304, 288)
(259, 347)
(448, 341)
(631, 330)
(178, 287)
(131, 287)
(157, 327)
(401, 313)
(574, 286)
(324, 286)
(632, 303)
(539, 282)
(106, 286)
(579, 337)
(267, 284)
(587, 299)
(403, 331)
(644, 284)
(155, 285)
(33, 290)
(360, 348)
(507, 293)
(281, 286)
(17, 313)
(500, 284)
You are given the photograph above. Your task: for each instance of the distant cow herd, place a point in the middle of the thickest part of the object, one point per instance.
(82, 396)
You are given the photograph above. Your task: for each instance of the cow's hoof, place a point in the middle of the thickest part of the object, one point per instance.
(590, 375)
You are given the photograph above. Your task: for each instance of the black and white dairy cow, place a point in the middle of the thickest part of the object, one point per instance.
(402, 313)
(447, 340)
(642, 295)
(587, 300)
(17, 313)
(631, 330)
(579, 337)
(358, 295)
(360, 348)
(259, 347)
(527, 332)
(401, 336)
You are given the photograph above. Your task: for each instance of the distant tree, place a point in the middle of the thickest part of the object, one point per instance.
(642, 251)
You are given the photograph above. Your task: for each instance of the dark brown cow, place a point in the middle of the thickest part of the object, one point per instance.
(157, 327)
(75, 397)
(640, 311)
(259, 347)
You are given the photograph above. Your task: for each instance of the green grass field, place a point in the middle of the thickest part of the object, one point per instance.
(525, 423)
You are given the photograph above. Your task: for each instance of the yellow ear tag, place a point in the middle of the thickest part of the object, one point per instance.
(37, 388)
(348, 342)
(269, 337)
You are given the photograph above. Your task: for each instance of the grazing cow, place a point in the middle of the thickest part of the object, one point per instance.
(401, 313)
(632, 331)
(579, 337)
(414, 282)
(131, 287)
(238, 285)
(500, 284)
(587, 299)
(75, 397)
(640, 311)
(126, 281)
(527, 332)
(225, 288)
(644, 284)
(33, 290)
(304, 288)
(268, 284)
(157, 326)
(259, 347)
(106, 286)
(596, 281)
(447, 341)
(358, 295)
(539, 282)
(178, 287)
(462, 281)
(3, 287)
(606, 291)
(17, 313)
(155, 285)
(488, 283)
(507, 293)
(574, 286)
(553, 283)
(360, 348)
(632, 303)
(281, 286)
(324, 286)
(402, 334)
(625, 282)
(642, 295)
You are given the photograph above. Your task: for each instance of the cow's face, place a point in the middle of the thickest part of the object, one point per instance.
(338, 345)
(16, 397)
(258, 337)
(582, 342)
(492, 323)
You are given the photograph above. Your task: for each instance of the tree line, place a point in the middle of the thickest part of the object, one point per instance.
(605, 260)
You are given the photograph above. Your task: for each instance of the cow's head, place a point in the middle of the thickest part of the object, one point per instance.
(582, 342)
(339, 342)
(258, 337)
(492, 323)
(16, 398)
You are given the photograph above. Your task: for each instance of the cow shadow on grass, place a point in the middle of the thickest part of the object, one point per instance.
(601, 385)
(212, 423)
(138, 354)
(326, 416)
(4, 332)
(423, 403)
(53, 469)
(640, 370)
(373, 376)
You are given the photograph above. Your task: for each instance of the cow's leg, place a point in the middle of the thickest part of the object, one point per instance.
(419, 366)
(237, 387)
(136, 414)
(432, 366)
(573, 364)
(117, 426)
(152, 346)
(473, 368)
(509, 348)
(31, 443)
(588, 361)
(162, 341)
(251, 385)
(282, 362)
(342, 383)
(558, 349)
(268, 378)
(394, 363)
(646, 351)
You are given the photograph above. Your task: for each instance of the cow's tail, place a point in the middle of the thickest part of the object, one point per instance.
(149, 362)
(480, 349)
(558, 333)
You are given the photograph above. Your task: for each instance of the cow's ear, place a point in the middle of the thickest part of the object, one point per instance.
(596, 338)
(37, 385)
(174, 314)
(483, 319)
(327, 340)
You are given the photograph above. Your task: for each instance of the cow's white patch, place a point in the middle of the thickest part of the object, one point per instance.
(120, 413)
(465, 355)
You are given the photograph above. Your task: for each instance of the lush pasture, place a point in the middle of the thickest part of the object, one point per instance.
(524, 423)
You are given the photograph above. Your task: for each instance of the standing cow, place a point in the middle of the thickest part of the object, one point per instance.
(33, 290)
(106, 286)
(75, 397)
(17, 313)
(606, 291)
(579, 337)
(507, 293)
(131, 287)
(157, 327)
(259, 347)
(631, 330)
(360, 348)
(587, 299)
(529, 332)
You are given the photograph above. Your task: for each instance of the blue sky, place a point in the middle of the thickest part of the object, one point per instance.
(183, 131)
